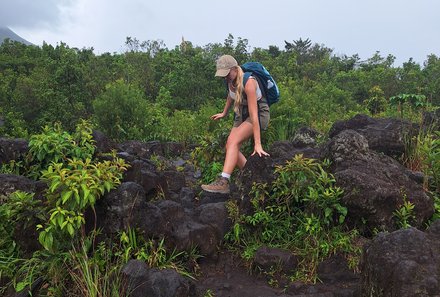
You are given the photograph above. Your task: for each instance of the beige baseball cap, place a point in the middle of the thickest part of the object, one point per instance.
(224, 65)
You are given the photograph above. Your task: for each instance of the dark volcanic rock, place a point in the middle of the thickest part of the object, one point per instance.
(374, 185)
(127, 206)
(12, 149)
(143, 281)
(103, 143)
(144, 173)
(147, 149)
(385, 135)
(268, 258)
(431, 120)
(402, 264)
(10, 183)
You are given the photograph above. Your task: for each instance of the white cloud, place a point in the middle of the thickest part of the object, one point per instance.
(404, 28)
(32, 13)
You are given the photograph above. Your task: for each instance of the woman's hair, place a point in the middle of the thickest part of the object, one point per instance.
(239, 89)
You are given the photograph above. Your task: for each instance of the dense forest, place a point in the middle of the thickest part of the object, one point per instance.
(150, 92)
(55, 97)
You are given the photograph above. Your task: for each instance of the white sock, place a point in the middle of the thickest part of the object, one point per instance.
(227, 175)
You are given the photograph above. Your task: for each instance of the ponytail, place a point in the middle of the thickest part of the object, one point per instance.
(239, 89)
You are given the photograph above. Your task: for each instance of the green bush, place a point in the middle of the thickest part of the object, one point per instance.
(123, 113)
(56, 145)
(434, 161)
(19, 208)
(209, 155)
(299, 211)
(376, 101)
(72, 188)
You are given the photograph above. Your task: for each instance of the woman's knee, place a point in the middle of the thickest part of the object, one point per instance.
(232, 142)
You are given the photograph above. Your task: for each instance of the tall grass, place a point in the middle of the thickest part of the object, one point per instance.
(98, 275)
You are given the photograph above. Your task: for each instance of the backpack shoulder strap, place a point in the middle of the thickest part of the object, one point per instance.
(246, 76)
(258, 79)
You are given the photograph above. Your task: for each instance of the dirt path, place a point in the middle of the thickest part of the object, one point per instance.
(227, 277)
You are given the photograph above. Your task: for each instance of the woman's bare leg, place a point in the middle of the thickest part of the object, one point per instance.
(241, 160)
(233, 156)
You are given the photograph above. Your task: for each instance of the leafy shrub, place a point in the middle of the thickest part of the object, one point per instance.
(436, 214)
(434, 161)
(123, 113)
(422, 153)
(413, 102)
(75, 182)
(14, 125)
(209, 155)
(300, 211)
(376, 101)
(56, 145)
(188, 127)
(183, 126)
(315, 105)
(404, 215)
(71, 189)
(18, 208)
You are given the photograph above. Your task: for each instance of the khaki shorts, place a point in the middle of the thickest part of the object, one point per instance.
(263, 115)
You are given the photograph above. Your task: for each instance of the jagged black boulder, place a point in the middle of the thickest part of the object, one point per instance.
(386, 135)
(374, 185)
(12, 149)
(404, 263)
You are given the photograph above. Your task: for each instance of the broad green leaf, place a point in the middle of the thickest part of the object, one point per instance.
(107, 186)
(54, 185)
(70, 229)
(92, 199)
(66, 196)
(60, 220)
(341, 219)
(42, 238)
(77, 197)
(20, 286)
(328, 212)
(86, 191)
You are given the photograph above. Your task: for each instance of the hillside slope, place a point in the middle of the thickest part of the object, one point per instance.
(5, 33)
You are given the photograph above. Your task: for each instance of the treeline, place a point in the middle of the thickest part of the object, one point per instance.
(150, 92)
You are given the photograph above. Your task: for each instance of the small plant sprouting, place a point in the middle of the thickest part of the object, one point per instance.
(405, 213)
(209, 293)
(414, 100)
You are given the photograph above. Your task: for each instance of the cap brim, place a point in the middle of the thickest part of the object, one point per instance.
(222, 72)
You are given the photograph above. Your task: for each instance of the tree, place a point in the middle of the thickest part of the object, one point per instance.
(274, 51)
(134, 45)
(431, 75)
(298, 46)
(410, 77)
(121, 111)
(376, 101)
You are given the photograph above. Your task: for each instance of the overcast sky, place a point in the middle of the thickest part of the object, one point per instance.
(403, 28)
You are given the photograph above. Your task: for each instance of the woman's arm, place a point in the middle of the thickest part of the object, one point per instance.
(251, 94)
(225, 110)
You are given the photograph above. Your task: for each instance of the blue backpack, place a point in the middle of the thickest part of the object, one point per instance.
(267, 84)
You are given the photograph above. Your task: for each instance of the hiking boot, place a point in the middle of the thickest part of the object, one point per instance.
(220, 185)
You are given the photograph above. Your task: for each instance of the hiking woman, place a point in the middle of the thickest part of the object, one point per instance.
(251, 115)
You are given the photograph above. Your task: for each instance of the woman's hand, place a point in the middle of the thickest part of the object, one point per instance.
(218, 116)
(258, 149)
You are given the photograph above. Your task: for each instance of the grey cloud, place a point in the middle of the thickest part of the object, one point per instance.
(30, 13)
